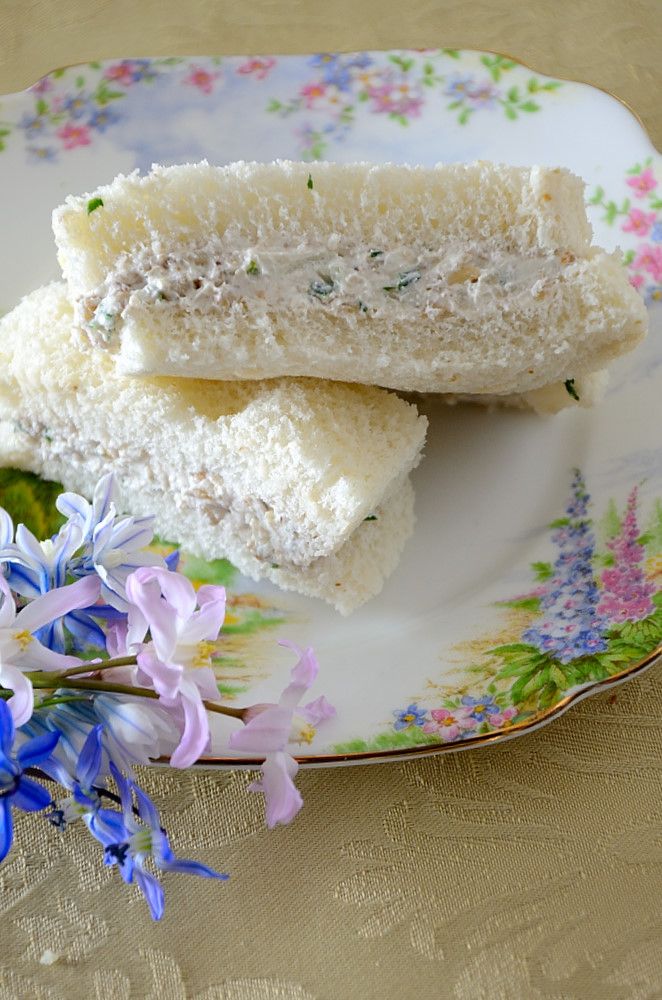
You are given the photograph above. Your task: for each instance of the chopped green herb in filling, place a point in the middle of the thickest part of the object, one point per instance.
(405, 279)
(310, 182)
(370, 517)
(570, 388)
(253, 268)
(93, 204)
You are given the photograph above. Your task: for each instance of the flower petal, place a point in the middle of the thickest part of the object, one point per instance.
(205, 623)
(89, 762)
(58, 602)
(264, 733)
(6, 728)
(6, 528)
(192, 868)
(152, 890)
(143, 590)
(146, 808)
(34, 751)
(8, 606)
(317, 711)
(303, 674)
(30, 797)
(195, 737)
(6, 827)
(21, 702)
(283, 800)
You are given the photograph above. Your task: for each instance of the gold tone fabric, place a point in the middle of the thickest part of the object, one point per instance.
(528, 871)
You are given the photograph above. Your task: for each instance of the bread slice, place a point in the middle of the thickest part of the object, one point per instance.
(472, 278)
(277, 476)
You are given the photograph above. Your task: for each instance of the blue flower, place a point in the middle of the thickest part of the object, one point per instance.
(41, 154)
(656, 232)
(141, 69)
(77, 106)
(33, 123)
(113, 546)
(15, 789)
(412, 715)
(35, 568)
(458, 86)
(84, 801)
(653, 294)
(103, 118)
(141, 838)
(481, 707)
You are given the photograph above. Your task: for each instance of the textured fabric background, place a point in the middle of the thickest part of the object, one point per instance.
(531, 870)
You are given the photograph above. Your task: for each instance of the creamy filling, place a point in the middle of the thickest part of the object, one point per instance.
(339, 279)
(265, 534)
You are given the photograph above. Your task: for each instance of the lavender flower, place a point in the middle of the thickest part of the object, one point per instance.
(268, 730)
(177, 661)
(572, 625)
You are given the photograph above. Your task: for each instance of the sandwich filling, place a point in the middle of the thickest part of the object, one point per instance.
(379, 281)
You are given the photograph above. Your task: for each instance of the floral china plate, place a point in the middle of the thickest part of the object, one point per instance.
(534, 576)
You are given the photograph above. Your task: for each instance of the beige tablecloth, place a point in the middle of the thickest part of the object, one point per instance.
(530, 870)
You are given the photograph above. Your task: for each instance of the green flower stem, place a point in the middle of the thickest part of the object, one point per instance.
(47, 680)
(89, 668)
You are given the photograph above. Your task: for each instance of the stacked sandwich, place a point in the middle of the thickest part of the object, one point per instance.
(225, 340)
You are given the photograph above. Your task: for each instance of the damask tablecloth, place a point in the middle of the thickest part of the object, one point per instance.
(529, 870)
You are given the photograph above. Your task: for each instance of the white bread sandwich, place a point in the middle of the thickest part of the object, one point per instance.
(465, 279)
(277, 476)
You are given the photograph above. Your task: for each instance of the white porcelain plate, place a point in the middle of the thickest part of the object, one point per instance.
(494, 621)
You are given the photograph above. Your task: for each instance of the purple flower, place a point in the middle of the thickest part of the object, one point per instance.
(15, 789)
(656, 232)
(137, 837)
(268, 730)
(177, 662)
(571, 626)
(410, 716)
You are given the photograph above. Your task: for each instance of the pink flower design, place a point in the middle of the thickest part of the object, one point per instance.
(259, 68)
(202, 78)
(270, 727)
(642, 183)
(394, 98)
(639, 222)
(74, 135)
(649, 258)
(312, 92)
(637, 280)
(450, 723)
(503, 718)
(42, 86)
(120, 73)
(626, 591)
